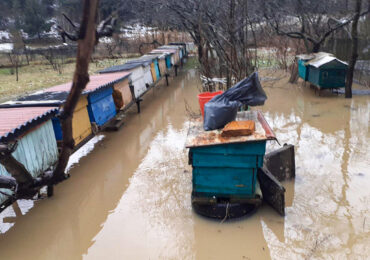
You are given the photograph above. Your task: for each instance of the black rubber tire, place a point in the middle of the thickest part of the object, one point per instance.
(218, 210)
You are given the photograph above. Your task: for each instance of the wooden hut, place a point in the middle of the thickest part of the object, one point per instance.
(162, 63)
(152, 60)
(327, 72)
(183, 47)
(33, 129)
(81, 126)
(101, 107)
(95, 105)
(170, 56)
(139, 76)
(146, 65)
(177, 55)
(123, 87)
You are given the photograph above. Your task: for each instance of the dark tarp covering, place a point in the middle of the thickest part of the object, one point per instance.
(223, 108)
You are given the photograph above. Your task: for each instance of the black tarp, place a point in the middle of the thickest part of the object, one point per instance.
(223, 108)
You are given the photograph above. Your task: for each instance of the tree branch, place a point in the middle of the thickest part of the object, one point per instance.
(15, 168)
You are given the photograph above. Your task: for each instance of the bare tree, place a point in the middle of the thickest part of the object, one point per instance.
(311, 21)
(86, 34)
(354, 55)
(15, 56)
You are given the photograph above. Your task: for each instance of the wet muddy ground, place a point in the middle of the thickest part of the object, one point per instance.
(129, 196)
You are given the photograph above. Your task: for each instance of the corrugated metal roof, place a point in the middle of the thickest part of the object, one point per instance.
(169, 51)
(14, 122)
(40, 98)
(322, 60)
(96, 82)
(176, 47)
(161, 55)
(144, 60)
(118, 68)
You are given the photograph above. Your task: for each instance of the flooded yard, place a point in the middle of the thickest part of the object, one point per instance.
(129, 197)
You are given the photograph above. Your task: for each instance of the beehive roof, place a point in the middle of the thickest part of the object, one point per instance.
(15, 122)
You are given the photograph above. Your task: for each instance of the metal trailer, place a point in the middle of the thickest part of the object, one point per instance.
(225, 169)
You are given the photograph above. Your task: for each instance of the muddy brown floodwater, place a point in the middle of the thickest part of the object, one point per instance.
(129, 195)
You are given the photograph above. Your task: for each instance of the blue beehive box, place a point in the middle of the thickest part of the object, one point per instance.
(327, 72)
(101, 106)
(302, 69)
(227, 167)
(227, 170)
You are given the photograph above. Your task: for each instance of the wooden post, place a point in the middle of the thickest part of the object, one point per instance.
(50, 190)
(136, 100)
(166, 75)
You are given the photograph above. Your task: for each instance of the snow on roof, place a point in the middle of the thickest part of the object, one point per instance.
(323, 59)
(311, 56)
(305, 56)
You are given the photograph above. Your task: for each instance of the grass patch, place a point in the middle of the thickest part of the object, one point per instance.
(191, 63)
(5, 71)
(36, 77)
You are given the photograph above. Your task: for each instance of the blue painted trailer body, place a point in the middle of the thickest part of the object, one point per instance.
(101, 106)
(227, 170)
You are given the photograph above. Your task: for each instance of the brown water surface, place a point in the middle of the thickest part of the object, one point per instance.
(129, 197)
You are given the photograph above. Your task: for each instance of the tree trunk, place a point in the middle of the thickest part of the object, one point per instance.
(86, 43)
(16, 71)
(294, 72)
(354, 54)
(316, 47)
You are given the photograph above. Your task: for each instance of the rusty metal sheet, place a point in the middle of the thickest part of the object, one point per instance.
(197, 136)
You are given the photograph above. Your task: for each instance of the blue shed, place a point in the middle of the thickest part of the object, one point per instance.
(32, 128)
(327, 72)
(302, 70)
(227, 167)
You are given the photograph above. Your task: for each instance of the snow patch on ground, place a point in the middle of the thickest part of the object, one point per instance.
(4, 35)
(6, 47)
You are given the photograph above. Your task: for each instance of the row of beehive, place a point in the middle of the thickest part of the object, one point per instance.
(33, 120)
